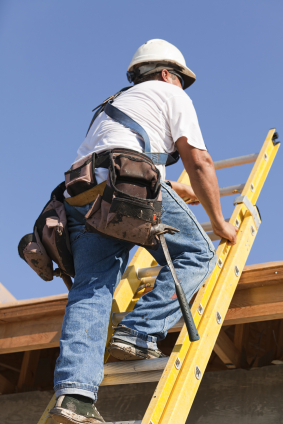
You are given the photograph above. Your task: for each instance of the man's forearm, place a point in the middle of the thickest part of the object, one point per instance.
(205, 185)
(201, 171)
(200, 168)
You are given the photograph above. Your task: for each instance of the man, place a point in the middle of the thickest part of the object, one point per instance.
(159, 104)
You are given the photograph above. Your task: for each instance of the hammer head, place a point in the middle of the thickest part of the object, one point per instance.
(163, 229)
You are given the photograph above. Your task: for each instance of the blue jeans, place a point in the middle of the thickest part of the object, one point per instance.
(99, 264)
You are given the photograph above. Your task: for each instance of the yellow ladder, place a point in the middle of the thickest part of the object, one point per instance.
(180, 375)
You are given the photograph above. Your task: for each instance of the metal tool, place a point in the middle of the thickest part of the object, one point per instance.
(159, 230)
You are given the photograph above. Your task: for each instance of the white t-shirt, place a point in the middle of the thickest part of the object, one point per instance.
(164, 110)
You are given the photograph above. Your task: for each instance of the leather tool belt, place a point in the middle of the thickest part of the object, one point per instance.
(49, 240)
(131, 201)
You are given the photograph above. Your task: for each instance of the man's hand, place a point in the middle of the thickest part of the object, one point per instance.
(227, 231)
(186, 192)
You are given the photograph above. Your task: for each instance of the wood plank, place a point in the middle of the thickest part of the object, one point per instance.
(28, 370)
(254, 313)
(261, 274)
(239, 340)
(42, 333)
(6, 387)
(257, 296)
(252, 275)
(33, 308)
(226, 350)
(36, 323)
(239, 336)
(279, 337)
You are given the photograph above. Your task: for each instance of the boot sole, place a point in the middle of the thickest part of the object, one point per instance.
(64, 416)
(128, 353)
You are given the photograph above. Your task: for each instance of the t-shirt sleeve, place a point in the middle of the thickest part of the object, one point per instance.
(183, 121)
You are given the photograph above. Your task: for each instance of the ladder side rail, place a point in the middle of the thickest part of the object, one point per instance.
(197, 356)
(165, 389)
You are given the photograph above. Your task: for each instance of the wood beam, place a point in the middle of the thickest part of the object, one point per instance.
(40, 333)
(239, 336)
(255, 313)
(226, 350)
(33, 308)
(279, 341)
(28, 370)
(261, 274)
(257, 296)
(36, 323)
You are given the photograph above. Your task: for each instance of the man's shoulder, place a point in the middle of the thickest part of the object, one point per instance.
(161, 89)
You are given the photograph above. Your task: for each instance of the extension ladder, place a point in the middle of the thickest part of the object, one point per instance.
(179, 375)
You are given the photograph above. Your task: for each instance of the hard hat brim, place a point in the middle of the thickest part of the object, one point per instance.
(188, 75)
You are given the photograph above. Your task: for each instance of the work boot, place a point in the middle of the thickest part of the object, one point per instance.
(126, 351)
(75, 409)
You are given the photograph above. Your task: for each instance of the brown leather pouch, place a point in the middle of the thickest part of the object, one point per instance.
(49, 240)
(32, 251)
(131, 201)
(80, 176)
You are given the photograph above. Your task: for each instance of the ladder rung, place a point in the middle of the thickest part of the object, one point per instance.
(228, 191)
(117, 317)
(207, 225)
(148, 282)
(213, 237)
(135, 366)
(132, 377)
(240, 160)
(152, 271)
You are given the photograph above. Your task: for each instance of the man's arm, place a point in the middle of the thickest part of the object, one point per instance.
(185, 191)
(200, 168)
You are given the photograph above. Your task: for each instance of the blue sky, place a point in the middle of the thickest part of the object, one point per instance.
(59, 59)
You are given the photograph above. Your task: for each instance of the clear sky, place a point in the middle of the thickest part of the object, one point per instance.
(60, 59)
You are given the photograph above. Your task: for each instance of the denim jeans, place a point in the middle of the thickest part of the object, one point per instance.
(99, 264)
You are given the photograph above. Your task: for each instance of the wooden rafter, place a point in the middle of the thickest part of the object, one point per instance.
(226, 350)
(28, 369)
(36, 324)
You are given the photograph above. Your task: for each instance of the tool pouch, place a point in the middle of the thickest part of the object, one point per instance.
(50, 239)
(80, 176)
(32, 251)
(131, 201)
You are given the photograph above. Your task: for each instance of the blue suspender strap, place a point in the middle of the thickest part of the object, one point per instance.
(124, 119)
(119, 116)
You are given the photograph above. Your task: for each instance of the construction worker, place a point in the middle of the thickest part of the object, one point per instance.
(158, 103)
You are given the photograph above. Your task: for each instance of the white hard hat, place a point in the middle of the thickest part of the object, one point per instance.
(156, 55)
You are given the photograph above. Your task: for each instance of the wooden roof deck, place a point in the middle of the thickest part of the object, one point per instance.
(36, 323)
(30, 330)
